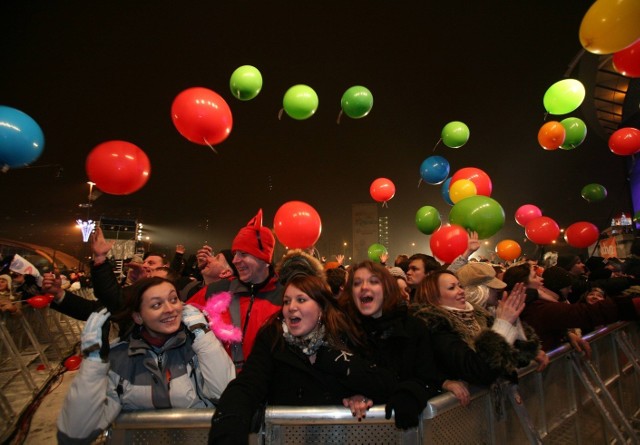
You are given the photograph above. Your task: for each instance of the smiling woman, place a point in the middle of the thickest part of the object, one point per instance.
(169, 360)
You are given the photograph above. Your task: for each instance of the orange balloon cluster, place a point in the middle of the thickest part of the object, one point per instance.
(551, 135)
(508, 250)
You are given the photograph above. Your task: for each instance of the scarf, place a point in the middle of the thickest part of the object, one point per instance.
(308, 344)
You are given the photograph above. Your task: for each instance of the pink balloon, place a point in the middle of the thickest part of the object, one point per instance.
(526, 213)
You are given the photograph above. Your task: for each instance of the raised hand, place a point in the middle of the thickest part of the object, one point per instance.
(100, 246)
(511, 305)
(203, 255)
(94, 341)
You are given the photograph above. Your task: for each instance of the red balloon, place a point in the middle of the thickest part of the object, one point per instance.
(73, 362)
(297, 225)
(477, 176)
(542, 230)
(382, 189)
(38, 301)
(526, 213)
(449, 242)
(625, 141)
(627, 61)
(581, 234)
(202, 116)
(118, 167)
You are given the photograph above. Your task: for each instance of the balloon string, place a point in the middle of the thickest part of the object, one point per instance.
(384, 204)
(419, 182)
(280, 114)
(339, 116)
(434, 147)
(210, 146)
(546, 115)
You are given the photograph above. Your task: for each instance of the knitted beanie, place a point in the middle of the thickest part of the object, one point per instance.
(255, 239)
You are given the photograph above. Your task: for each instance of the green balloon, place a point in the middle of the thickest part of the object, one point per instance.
(357, 102)
(375, 250)
(455, 134)
(300, 102)
(564, 96)
(478, 213)
(245, 82)
(594, 192)
(575, 132)
(428, 220)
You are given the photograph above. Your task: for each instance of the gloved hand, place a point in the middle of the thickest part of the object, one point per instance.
(194, 320)
(94, 341)
(406, 407)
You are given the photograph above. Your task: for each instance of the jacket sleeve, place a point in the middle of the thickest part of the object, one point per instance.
(106, 287)
(90, 405)
(231, 422)
(75, 306)
(215, 365)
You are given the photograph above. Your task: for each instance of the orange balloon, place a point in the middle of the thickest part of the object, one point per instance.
(551, 135)
(508, 250)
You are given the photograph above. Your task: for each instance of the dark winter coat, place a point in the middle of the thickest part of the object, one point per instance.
(277, 373)
(478, 360)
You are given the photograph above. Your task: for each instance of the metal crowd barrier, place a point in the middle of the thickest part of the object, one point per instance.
(33, 343)
(564, 404)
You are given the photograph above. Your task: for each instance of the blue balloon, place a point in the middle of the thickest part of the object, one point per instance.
(434, 169)
(445, 192)
(21, 138)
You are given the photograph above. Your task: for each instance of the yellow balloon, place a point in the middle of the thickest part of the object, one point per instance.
(462, 188)
(610, 25)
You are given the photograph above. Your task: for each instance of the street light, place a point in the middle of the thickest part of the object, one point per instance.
(86, 227)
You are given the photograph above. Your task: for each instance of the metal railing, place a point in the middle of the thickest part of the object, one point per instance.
(561, 405)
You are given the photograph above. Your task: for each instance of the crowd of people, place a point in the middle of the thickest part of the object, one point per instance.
(237, 330)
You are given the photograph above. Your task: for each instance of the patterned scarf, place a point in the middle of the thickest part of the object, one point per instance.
(308, 344)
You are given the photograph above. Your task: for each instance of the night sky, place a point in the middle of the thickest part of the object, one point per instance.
(89, 72)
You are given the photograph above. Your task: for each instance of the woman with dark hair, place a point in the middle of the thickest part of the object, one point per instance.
(551, 319)
(169, 360)
(471, 345)
(393, 339)
(302, 356)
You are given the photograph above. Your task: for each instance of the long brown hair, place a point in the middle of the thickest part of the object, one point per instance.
(429, 290)
(392, 296)
(339, 331)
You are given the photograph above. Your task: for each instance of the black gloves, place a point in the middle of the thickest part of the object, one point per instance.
(407, 409)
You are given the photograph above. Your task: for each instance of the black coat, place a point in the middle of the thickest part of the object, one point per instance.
(277, 373)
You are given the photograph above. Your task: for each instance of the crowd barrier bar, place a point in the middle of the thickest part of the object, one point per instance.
(555, 406)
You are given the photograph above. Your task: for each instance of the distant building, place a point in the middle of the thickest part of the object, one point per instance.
(365, 229)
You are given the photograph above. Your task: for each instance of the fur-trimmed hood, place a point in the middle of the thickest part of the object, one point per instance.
(298, 261)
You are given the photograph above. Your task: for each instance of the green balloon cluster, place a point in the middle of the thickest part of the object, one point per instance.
(375, 250)
(428, 220)
(455, 134)
(594, 192)
(245, 82)
(300, 102)
(564, 96)
(575, 132)
(357, 102)
(478, 213)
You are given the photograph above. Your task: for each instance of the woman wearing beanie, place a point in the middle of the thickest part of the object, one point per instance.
(470, 344)
(303, 356)
(8, 301)
(551, 320)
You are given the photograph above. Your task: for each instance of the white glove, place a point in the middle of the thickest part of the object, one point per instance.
(94, 341)
(194, 320)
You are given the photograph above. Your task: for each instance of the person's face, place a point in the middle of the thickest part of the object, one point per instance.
(494, 296)
(578, 269)
(160, 310)
(151, 263)
(535, 280)
(301, 312)
(215, 267)
(18, 279)
(451, 293)
(596, 294)
(4, 284)
(250, 269)
(404, 288)
(368, 294)
(415, 273)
